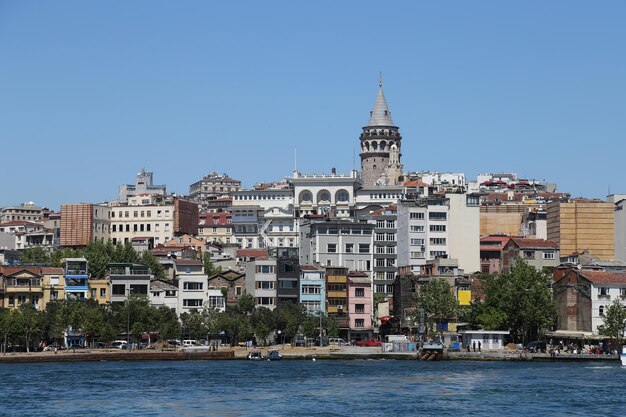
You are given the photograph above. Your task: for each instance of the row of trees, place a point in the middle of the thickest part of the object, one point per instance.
(29, 328)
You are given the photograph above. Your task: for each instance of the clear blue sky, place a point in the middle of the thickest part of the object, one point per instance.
(92, 91)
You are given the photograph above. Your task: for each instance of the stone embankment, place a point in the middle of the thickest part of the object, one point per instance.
(346, 352)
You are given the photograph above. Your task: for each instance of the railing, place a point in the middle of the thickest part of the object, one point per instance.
(76, 272)
(23, 283)
(604, 297)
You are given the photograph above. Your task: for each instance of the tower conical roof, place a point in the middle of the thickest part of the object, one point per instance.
(380, 114)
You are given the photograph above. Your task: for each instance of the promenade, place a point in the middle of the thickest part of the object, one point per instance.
(288, 353)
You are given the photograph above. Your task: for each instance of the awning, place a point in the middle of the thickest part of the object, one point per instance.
(385, 319)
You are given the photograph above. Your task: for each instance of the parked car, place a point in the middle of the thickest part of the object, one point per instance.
(369, 342)
(119, 344)
(299, 340)
(337, 341)
(538, 346)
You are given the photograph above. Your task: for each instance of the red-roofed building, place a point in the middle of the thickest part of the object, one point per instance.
(538, 253)
(491, 253)
(583, 297)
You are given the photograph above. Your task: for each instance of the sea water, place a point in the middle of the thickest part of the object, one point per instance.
(312, 388)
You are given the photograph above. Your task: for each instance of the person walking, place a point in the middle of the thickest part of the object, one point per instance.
(479, 345)
(474, 345)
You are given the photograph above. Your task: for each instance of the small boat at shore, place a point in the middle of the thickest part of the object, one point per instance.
(623, 355)
(256, 355)
(274, 355)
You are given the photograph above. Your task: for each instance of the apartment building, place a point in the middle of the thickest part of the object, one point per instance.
(619, 201)
(154, 217)
(337, 243)
(583, 225)
(538, 253)
(312, 287)
(26, 212)
(262, 281)
(84, 223)
(143, 185)
(422, 231)
(213, 186)
(126, 279)
(337, 297)
(216, 227)
(360, 312)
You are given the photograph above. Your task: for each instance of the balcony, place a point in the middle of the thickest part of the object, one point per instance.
(604, 297)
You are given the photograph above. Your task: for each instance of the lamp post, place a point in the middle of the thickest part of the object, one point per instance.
(128, 319)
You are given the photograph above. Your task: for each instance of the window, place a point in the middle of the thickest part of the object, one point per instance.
(264, 301)
(437, 215)
(113, 228)
(603, 293)
(418, 229)
(359, 308)
(548, 255)
(437, 253)
(528, 254)
(103, 292)
(437, 227)
(391, 224)
(380, 237)
(359, 323)
(601, 311)
(238, 291)
(417, 242)
(380, 249)
(335, 286)
(192, 302)
(380, 262)
(380, 288)
(287, 283)
(417, 255)
(380, 224)
(391, 275)
(119, 289)
(265, 285)
(391, 250)
(364, 248)
(311, 289)
(359, 292)
(419, 216)
(437, 240)
(331, 248)
(391, 262)
(192, 285)
(139, 289)
(391, 237)
(349, 247)
(265, 269)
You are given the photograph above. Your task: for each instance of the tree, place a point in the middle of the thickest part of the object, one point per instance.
(519, 301)
(7, 326)
(437, 301)
(168, 325)
(614, 319)
(209, 267)
(288, 317)
(35, 254)
(151, 262)
(28, 323)
(332, 327)
(262, 322)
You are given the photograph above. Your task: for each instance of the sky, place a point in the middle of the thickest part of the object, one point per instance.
(91, 92)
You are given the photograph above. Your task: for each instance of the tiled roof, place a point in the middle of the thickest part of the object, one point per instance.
(187, 262)
(415, 184)
(604, 277)
(525, 243)
(51, 270)
(310, 268)
(10, 270)
(251, 253)
(161, 285)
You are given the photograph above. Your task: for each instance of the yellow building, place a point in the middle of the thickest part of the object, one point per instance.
(99, 290)
(22, 285)
(337, 290)
(53, 283)
(581, 225)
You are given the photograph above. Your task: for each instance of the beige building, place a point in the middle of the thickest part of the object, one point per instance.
(155, 217)
(84, 223)
(503, 219)
(581, 225)
(99, 290)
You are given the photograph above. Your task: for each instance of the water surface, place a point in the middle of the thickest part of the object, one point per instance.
(307, 388)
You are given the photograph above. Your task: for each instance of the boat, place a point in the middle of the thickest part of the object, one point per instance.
(256, 355)
(623, 355)
(274, 355)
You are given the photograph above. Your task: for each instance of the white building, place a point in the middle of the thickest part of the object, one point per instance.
(422, 231)
(464, 231)
(332, 194)
(338, 244)
(143, 185)
(262, 282)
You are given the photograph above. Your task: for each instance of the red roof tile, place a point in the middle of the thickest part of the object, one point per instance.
(604, 277)
(251, 253)
(534, 243)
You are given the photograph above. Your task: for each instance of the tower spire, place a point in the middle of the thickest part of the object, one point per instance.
(380, 114)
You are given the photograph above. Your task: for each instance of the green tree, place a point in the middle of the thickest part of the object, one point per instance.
(332, 327)
(168, 325)
(262, 322)
(209, 267)
(35, 254)
(438, 303)
(519, 301)
(7, 326)
(28, 323)
(613, 324)
(151, 262)
(288, 318)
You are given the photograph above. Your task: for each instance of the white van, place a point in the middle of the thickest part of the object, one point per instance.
(190, 342)
(337, 342)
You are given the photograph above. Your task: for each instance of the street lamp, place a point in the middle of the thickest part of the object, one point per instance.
(128, 319)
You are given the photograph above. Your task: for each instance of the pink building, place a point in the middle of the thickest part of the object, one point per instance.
(360, 306)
